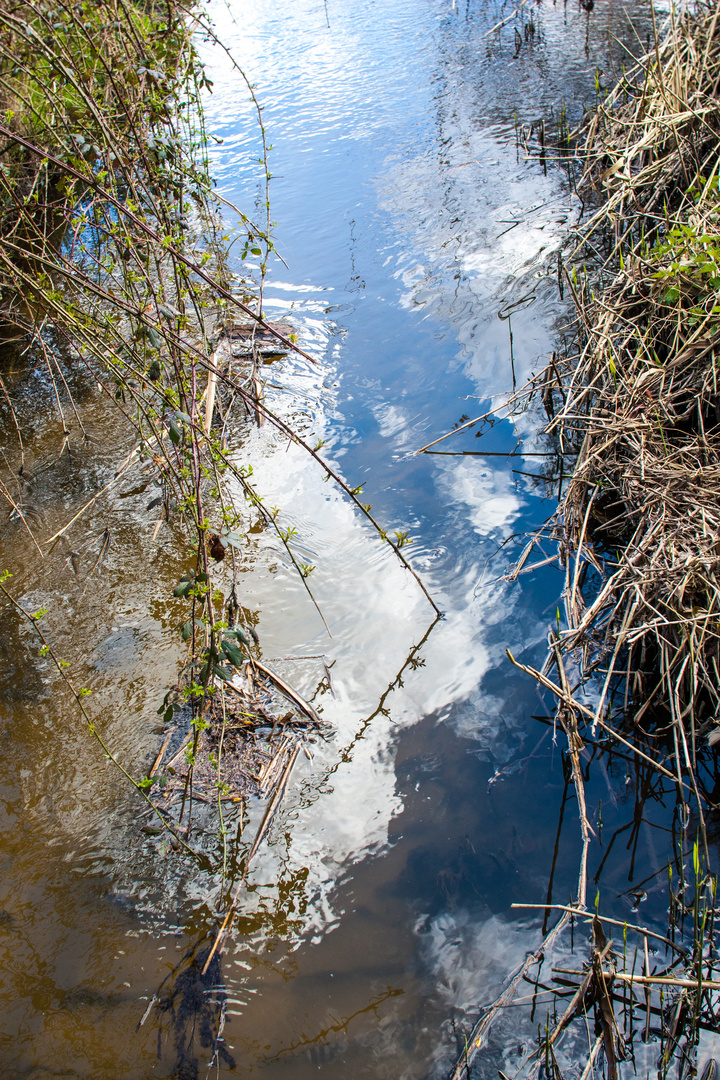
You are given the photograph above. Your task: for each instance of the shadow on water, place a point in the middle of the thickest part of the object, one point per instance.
(191, 1007)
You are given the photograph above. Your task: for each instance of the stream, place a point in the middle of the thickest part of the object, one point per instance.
(377, 918)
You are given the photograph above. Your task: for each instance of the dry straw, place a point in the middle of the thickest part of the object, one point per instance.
(639, 520)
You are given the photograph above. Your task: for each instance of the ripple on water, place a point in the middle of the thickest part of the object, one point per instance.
(408, 218)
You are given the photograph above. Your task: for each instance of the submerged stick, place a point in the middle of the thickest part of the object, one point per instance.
(264, 825)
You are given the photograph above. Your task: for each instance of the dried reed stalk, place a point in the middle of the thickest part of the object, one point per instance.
(638, 523)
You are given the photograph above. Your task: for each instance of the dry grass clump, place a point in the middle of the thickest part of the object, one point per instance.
(637, 664)
(639, 521)
(638, 524)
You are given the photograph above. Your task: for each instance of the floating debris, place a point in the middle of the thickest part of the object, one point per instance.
(248, 339)
(242, 746)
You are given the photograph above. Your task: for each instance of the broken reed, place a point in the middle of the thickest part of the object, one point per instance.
(638, 524)
(639, 410)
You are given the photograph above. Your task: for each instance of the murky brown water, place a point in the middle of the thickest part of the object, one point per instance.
(379, 911)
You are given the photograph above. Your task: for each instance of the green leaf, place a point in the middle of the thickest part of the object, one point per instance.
(233, 539)
(175, 433)
(222, 673)
(233, 654)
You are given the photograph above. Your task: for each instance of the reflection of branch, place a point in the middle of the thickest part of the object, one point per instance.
(345, 755)
(567, 714)
(556, 849)
(352, 493)
(282, 785)
(476, 1039)
(507, 19)
(342, 1025)
(397, 681)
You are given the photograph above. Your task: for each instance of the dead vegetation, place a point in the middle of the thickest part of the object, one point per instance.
(638, 410)
(247, 738)
(634, 417)
(114, 262)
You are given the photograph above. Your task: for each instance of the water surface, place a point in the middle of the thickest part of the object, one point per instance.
(377, 919)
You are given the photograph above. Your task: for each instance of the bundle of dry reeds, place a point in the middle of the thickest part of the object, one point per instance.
(637, 411)
(639, 521)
